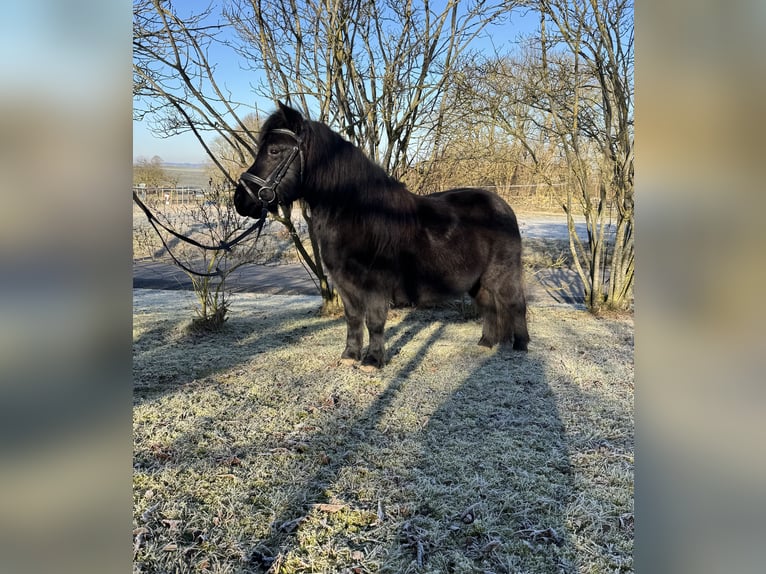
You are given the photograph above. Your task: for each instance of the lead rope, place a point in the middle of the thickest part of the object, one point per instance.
(222, 246)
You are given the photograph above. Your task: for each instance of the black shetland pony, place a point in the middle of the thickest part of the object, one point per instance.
(381, 243)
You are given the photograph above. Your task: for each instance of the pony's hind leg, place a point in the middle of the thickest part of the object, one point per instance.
(512, 315)
(514, 325)
(486, 303)
(376, 321)
(520, 333)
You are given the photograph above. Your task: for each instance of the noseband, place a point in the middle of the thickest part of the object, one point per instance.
(267, 188)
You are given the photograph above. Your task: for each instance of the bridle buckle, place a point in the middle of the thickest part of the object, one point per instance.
(267, 199)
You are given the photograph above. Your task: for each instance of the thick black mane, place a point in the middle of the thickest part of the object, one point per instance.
(334, 165)
(381, 243)
(341, 179)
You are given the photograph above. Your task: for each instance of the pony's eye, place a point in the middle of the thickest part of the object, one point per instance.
(274, 150)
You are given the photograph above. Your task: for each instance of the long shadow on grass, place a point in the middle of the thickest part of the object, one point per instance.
(479, 483)
(172, 355)
(494, 477)
(564, 286)
(342, 445)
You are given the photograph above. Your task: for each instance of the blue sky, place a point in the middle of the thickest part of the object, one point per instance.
(178, 149)
(186, 149)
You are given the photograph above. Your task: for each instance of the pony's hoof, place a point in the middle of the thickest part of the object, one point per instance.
(370, 364)
(483, 342)
(347, 361)
(349, 357)
(520, 345)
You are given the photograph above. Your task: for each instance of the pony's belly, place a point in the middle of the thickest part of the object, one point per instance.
(422, 291)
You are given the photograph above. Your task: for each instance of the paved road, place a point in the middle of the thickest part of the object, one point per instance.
(289, 279)
(546, 286)
(549, 226)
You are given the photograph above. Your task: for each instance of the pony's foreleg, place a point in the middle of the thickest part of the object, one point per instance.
(353, 308)
(377, 311)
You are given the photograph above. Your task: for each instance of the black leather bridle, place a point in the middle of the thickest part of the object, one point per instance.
(267, 188)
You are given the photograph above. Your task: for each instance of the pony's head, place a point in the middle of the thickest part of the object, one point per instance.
(276, 174)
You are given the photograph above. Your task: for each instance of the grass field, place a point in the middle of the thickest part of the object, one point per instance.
(255, 451)
(188, 175)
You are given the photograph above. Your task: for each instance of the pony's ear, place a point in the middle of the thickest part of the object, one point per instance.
(293, 118)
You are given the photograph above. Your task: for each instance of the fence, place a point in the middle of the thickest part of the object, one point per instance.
(170, 195)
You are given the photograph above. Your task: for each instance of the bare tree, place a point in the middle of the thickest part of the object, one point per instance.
(567, 99)
(174, 83)
(375, 70)
(215, 221)
(596, 110)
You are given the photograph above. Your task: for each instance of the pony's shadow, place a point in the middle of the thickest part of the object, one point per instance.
(496, 444)
(507, 460)
(353, 438)
(402, 333)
